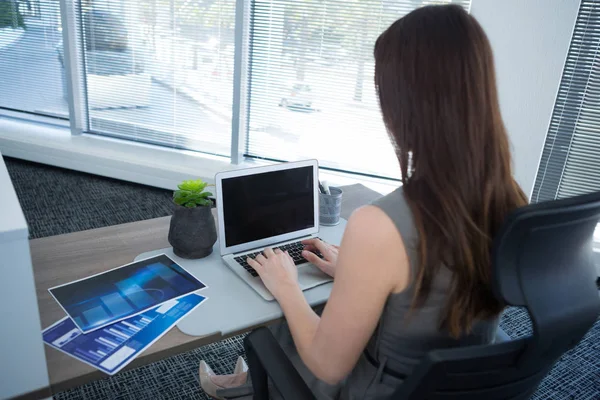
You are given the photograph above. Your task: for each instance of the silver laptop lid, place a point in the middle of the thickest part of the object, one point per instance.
(264, 205)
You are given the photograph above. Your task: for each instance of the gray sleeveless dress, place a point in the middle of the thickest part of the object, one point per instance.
(399, 343)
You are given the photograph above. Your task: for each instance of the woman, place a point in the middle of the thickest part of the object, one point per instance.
(413, 271)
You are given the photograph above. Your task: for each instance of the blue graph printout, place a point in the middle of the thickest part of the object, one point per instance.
(113, 347)
(111, 296)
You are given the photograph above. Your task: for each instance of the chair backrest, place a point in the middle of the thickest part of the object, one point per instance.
(542, 260)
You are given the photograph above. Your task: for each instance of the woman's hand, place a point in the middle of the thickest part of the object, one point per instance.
(277, 271)
(329, 252)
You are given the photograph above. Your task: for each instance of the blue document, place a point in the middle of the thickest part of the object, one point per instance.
(111, 296)
(113, 347)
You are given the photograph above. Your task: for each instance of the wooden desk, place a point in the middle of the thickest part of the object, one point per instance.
(64, 258)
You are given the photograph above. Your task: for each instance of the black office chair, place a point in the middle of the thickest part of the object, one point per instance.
(542, 260)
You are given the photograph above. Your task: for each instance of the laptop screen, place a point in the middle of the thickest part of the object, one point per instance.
(264, 205)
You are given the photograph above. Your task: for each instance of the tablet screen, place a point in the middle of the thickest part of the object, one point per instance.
(120, 293)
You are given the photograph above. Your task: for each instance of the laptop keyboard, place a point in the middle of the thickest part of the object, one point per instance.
(294, 250)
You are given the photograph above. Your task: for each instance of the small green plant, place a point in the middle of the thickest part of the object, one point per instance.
(191, 194)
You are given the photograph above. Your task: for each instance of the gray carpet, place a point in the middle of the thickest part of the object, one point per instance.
(58, 201)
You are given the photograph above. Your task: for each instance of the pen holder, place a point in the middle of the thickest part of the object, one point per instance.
(330, 206)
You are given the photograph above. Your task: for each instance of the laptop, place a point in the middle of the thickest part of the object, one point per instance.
(273, 206)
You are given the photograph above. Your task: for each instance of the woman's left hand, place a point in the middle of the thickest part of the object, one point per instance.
(277, 271)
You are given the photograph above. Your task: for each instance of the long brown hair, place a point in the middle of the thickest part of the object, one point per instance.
(434, 72)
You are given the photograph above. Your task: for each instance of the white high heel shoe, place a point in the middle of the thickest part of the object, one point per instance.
(211, 382)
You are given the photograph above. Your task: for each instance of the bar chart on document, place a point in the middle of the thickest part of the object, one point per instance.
(113, 347)
(111, 340)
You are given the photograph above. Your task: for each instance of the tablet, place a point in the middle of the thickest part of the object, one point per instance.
(123, 292)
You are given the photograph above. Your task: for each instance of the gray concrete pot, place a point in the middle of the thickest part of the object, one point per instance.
(192, 232)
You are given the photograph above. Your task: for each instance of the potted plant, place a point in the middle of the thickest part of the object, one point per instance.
(192, 232)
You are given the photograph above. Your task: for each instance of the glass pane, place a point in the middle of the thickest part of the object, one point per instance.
(31, 76)
(312, 93)
(161, 71)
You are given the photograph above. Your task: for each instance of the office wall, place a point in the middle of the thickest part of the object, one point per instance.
(530, 40)
(22, 359)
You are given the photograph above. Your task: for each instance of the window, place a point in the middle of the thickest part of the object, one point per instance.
(570, 162)
(30, 74)
(160, 71)
(311, 90)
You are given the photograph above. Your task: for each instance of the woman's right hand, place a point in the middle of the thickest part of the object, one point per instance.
(330, 252)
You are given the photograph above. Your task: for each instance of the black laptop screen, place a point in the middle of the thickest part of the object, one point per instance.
(269, 204)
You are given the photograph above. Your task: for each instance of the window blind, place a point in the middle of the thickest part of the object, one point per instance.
(311, 87)
(570, 162)
(30, 70)
(160, 71)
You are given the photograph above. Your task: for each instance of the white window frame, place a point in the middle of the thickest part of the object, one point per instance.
(71, 144)
(70, 11)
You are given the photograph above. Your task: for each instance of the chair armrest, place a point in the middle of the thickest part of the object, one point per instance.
(267, 358)
(501, 336)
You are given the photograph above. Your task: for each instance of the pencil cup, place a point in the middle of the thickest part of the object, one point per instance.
(330, 206)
